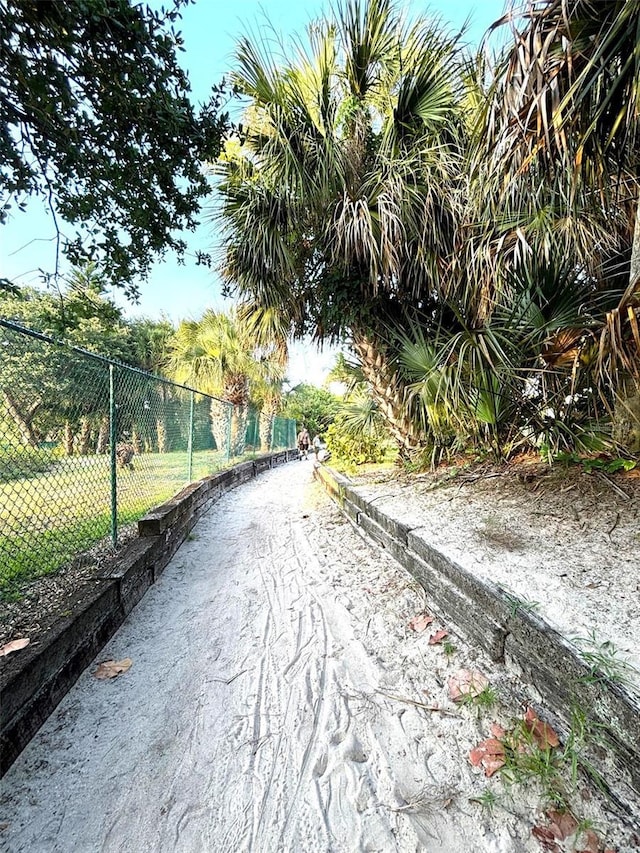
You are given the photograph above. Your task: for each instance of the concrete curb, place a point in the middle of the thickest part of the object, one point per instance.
(33, 682)
(518, 638)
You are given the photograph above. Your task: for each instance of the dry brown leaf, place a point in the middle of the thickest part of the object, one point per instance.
(489, 754)
(14, 646)
(542, 733)
(438, 637)
(546, 839)
(562, 824)
(420, 622)
(466, 682)
(112, 668)
(588, 842)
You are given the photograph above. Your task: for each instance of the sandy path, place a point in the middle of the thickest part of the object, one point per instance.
(253, 718)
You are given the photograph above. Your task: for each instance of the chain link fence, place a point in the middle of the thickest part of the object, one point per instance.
(88, 445)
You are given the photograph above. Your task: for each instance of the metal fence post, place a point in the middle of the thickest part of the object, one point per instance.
(190, 441)
(112, 442)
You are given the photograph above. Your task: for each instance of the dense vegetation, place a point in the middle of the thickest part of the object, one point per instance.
(466, 225)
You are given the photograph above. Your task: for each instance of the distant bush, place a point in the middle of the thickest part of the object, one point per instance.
(353, 449)
(19, 460)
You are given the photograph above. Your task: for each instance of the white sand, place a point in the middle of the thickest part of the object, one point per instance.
(254, 717)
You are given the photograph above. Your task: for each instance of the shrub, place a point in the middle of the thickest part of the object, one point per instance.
(353, 449)
(19, 460)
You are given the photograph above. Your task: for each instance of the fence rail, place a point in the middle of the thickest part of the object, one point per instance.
(88, 445)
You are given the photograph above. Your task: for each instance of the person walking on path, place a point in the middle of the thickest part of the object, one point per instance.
(304, 440)
(317, 445)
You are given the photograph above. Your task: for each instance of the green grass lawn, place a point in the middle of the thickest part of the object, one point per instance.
(47, 519)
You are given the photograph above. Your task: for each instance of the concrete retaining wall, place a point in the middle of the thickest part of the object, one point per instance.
(34, 681)
(518, 638)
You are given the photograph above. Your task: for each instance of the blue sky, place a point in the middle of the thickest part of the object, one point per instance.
(210, 29)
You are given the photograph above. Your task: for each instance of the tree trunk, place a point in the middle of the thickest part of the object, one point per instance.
(161, 431)
(84, 436)
(264, 430)
(389, 394)
(239, 417)
(626, 420)
(236, 392)
(219, 423)
(265, 427)
(23, 420)
(136, 441)
(626, 416)
(68, 439)
(103, 436)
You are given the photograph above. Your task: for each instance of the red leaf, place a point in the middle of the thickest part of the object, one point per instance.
(542, 733)
(438, 637)
(497, 731)
(546, 839)
(489, 754)
(466, 682)
(14, 646)
(563, 824)
(420, 622)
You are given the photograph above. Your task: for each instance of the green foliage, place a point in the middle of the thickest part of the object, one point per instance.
(526, 762)
(39, 383)
(488, 799)
(337, 209)
(605, 662)
(220, 354)
(96, 119)
(597, 463)
(18, 461)
(351, 449)
(517, 604)
(521, 376)
(387, 192)
(315, 407)
(484, 700)
(448, 648)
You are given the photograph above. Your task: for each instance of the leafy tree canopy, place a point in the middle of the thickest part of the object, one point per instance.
(315, 407)
(95, 118)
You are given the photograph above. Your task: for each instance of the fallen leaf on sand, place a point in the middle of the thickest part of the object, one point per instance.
(466, 682)
(542, 733)
(546, 838)
(489, 754)
(562, 824)
(588, 842)
(112, 668)
(420, 622)
(497, 731)
(14, 646)
(438, 637)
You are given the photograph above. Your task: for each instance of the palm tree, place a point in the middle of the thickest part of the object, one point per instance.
(221, 356)
(341, 206)
(270, 331)
(558, 171)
